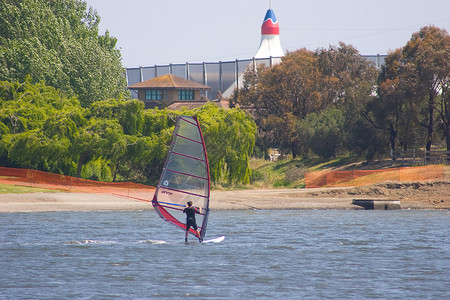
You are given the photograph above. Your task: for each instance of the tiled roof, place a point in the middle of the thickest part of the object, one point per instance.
(169, 81)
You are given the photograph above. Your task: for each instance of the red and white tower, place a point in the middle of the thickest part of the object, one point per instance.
(270, 45)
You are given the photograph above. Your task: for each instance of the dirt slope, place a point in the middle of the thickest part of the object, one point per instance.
(417, 195)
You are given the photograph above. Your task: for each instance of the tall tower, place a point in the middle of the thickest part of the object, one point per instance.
(269, 46)
(270, 37)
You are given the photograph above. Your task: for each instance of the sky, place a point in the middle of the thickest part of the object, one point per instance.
(152, 32)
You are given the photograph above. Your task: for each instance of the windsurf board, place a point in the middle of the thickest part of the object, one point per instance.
(216, 240)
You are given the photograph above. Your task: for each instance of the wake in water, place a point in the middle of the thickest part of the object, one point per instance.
(97, 242)
(154, 242)
(85, 242)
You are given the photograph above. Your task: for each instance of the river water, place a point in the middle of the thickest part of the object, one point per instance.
(267, 254)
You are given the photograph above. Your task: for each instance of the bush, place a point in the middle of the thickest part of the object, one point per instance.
(322, 133)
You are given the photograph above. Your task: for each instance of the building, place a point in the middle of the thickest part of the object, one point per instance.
(223, 77)
(170, 90)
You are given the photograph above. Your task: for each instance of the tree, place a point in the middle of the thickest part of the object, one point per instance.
(30, 137)
(425, 69)
(114, 139)
(129, 113)
(100, 138)
(308, 82)
(349, 77)
(390, 112)
(349, 84)
(145, 157)
(58, 42)
(230, 139)
(322, 132)
(280, 95)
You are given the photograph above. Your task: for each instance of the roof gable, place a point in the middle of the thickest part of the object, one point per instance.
(169, 81)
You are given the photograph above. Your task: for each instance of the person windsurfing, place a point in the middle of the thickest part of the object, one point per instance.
(190, 212)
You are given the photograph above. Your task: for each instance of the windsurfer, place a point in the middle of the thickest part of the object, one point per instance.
(190, 212)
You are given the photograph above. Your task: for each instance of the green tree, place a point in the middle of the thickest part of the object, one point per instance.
(390, 111)
(349, 83)
(129, 113)
(32, 149)
(114, 139)
(100, 138)
(230, 139)
(58, 42)
(426, 69)
(38, 124)
(322, 132)
(281, 95)
(349, 77)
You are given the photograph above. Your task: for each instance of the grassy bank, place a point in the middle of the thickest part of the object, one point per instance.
(290, 173)
(17, 189)
(284, 173)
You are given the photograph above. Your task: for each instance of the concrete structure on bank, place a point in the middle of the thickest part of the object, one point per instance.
(377, 204)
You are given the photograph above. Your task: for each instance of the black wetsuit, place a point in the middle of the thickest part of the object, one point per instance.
(190, 217)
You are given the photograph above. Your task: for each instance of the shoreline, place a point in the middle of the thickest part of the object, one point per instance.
(434, 195)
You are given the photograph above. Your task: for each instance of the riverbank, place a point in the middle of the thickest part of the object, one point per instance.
(412, 195)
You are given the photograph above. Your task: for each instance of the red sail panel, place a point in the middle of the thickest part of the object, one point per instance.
(185, 176)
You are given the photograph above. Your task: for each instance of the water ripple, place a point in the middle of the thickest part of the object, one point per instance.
(311, 255)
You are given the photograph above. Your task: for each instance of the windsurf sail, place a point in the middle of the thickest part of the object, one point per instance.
(185, 177)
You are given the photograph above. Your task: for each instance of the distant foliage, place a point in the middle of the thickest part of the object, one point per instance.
(301, 87)
(413, 106)
(230, 140)
(114, 139)
(58, 42)
(322, 132)
(334, 101)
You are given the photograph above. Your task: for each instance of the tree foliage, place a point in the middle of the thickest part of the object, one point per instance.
(114, 139)
(390, 112)
(349, 77)
(334, 100)
(230, 140)
(58, 42)
(426, 66)
(306, 83)
(413, 90)
(29, 137)
(323, 132)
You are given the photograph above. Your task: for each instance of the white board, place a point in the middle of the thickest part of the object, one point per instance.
(216, 240)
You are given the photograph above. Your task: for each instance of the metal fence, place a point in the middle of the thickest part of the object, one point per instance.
(421, 156)
(222, 76)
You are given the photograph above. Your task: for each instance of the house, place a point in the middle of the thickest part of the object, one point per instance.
(171, 91)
